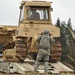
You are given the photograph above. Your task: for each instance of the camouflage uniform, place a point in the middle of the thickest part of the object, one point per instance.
(42, 54)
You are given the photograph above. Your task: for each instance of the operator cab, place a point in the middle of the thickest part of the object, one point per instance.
(35, 11)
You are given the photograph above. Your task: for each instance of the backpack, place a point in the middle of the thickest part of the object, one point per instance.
(45, 41)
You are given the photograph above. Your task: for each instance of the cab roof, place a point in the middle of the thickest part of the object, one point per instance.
(37, 3)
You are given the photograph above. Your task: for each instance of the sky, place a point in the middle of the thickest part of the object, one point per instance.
(64, 9)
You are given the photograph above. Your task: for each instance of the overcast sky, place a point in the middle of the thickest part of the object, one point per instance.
(9, 11)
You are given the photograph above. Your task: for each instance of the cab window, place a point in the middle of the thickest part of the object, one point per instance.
(22, 13)
(37, 14)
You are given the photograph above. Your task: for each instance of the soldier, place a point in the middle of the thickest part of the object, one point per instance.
(44, 41)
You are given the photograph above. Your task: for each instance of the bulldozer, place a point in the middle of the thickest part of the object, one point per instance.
(35, 17)
(6, 34)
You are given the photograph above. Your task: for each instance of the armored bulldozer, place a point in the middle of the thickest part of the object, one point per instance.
(6, 34)
(35, 17)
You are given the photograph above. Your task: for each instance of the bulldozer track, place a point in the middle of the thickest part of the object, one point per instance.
(21, 50)
(56, 52)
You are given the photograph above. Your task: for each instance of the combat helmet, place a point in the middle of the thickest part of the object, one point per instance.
(46, 31)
